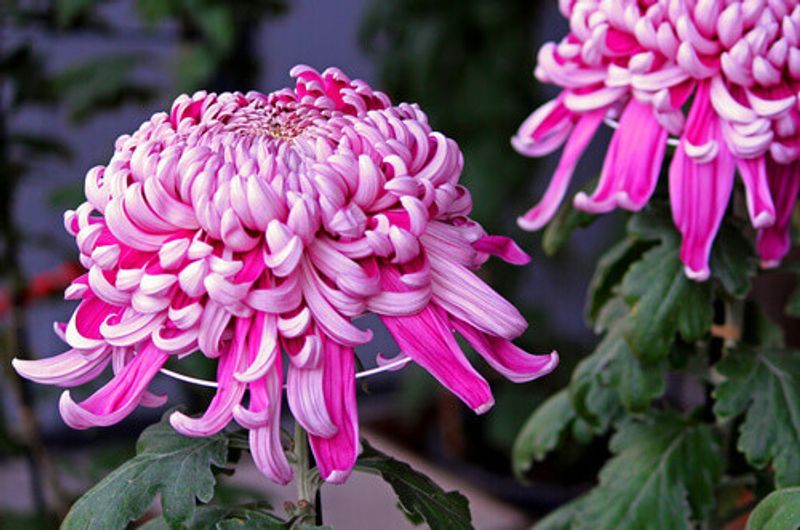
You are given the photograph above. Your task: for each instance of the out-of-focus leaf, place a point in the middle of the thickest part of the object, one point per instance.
(764, 384)
(609, 273)
(177, 467)
(733, 261)
(68, 11)
(780, 510)
(543, 432)
(563, 518)
(663, 475)
(614, 369)
(419, 496)
(39, 145)
(563, 224)
(100, 84)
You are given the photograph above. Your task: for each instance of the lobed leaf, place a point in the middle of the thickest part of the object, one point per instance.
(177, 467)
(780, 510)
(419, 496)
(765, 386)
(663, 475)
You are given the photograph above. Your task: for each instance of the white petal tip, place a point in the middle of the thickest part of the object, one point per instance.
(337, 476)
(698, 276)
(482, 409)
(770, 263)
(530, 225)
(764, 220)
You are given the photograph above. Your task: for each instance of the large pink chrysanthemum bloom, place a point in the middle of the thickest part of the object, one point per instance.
(254, 228)
(734, 63)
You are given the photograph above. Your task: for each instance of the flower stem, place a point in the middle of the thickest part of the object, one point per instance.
(308, 493)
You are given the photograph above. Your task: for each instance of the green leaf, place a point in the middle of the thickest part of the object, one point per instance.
(225, 518)
(766, 385)
(612, 374)
(733, 261)
(177, 467)
(257, 521)
(654, 223)
(663, 475)
(542, 432)
(780, 510)
(566, 220)
(609, 272)
(663, 301)
(564, 517)
(419, 496)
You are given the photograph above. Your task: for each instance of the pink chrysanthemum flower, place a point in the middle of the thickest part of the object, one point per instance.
(254, 228)
(734, 64)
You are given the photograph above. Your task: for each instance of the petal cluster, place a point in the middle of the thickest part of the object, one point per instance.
(722, 76)
(254, 228)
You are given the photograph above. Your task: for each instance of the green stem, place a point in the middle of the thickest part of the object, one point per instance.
(308, 496)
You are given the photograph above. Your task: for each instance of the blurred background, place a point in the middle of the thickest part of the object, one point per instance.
(75, 74)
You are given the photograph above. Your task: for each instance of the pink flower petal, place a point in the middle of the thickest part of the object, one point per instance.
(426, 338)
(337, 454)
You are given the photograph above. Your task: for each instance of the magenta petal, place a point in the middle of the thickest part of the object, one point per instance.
(774, 241)
(540, 215)
(263, 419)
(514, 363)
(118, 397)
(632, 164)
(427, 339)
(337, 454)
(760, 206)
(229, 392)
(504, 248)
(700, 189)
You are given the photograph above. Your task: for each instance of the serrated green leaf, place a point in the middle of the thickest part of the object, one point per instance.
(224, 518)
(563, 518)
(542, 432)
(255, 520)
(663, 301)
(663, 475)
(780, 510)
(609, 272)
(177, 467)
(418, 495)
(613, 368)
(766, 385)
(733, 261)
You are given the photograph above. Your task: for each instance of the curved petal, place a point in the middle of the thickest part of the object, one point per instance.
(774, 242)
(584, 131)
(336, 455)
(71, 368)
(514, 363)
(426, 338)
(700, 189)
(632, 163)
(118, 397)
(229, 392)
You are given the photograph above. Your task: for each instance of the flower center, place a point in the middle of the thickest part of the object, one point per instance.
(282, 120)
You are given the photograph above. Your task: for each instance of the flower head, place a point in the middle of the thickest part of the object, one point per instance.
(734, 64)
(253, 228)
